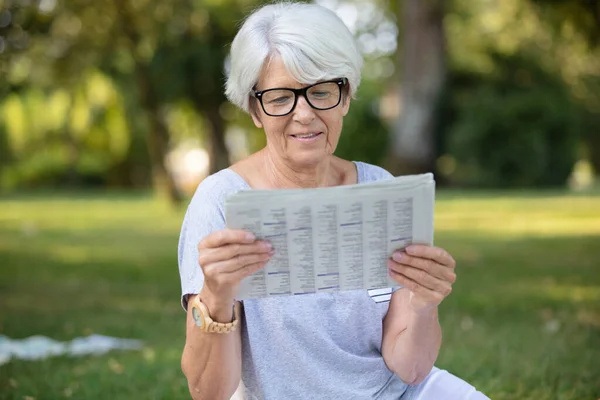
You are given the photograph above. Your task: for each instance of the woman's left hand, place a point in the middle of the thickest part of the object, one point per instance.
(427, 271)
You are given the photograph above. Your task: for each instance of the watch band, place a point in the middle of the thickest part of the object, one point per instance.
(219, 327)
(208, 325)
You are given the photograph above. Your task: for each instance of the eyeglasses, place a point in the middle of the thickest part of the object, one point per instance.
(278, 102)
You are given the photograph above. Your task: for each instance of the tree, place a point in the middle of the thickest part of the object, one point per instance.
(159, 54)
(423, 69)
(584, 17)
(150, 102)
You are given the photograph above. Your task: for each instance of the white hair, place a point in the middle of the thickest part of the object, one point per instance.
(312, 41)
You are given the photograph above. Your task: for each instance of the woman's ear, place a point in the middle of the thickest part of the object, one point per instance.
(255, 116)
(345, 104)
(346, 99)
(256, 119)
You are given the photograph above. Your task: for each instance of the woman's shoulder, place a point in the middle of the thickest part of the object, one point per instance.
(215, 188)
(369, 172)
(226, 180)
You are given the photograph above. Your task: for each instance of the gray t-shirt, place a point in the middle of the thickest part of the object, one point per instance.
(314, 346)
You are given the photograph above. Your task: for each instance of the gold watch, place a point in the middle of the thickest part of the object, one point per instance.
(203, 320)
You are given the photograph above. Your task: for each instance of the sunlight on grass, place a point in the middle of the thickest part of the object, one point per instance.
(556, 291)
(69, 254)
(571, 293)
(521, 216)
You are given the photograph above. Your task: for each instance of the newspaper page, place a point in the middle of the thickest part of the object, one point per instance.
(330, 239)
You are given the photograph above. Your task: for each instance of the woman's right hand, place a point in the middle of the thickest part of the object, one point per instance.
(226, 257)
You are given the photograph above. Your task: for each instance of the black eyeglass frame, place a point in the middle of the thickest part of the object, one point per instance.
(300, 92)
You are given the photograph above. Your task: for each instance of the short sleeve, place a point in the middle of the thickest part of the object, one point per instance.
(370, 173)
(205, 214)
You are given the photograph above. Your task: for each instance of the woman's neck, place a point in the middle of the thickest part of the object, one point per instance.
(280, 174)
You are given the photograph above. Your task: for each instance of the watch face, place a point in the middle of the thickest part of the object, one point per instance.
(197, 317)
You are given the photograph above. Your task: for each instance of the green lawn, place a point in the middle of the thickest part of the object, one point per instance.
(523, 321)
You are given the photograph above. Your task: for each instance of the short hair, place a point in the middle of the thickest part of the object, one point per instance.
(312, 41)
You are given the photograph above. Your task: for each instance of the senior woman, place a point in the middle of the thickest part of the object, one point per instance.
(294, 69)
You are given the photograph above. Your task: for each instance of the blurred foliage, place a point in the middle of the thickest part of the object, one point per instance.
(583, 14)
(365, 136)
(75, 139)
(521, 99)
(515, 127)
(97, 93)
(155, 60)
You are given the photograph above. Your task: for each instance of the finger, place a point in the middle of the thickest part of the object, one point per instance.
(249, 270)
(236, 277)
(436, 254)
(422, 278)
(235, 264)
(223, 253)
(431, 267)
(227, 236)
(417, 289)
(232, 279)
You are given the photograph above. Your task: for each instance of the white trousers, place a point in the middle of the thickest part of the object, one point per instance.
(442, 385)
(439, 385)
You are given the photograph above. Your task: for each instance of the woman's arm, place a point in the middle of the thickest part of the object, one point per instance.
(411, 331)
(212, 362)
(411, 340)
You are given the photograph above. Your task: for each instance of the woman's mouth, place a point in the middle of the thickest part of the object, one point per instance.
(307, 137)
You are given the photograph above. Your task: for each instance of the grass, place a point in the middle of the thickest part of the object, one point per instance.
(523, 321)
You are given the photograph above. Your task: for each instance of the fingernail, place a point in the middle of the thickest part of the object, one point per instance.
(271, 252)
(267, 245)
(397, 256)
(250, 236)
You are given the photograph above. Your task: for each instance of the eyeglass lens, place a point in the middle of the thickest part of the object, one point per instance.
(321, 96)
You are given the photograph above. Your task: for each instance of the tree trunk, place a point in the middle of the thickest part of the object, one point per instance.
(423, 71)
(158, 134)
(72, 147)
(157, 138)
(594, 151)
(134, 170)
(6, 156)
(216, 147)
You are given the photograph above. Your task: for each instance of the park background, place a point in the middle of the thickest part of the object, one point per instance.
(112, 111)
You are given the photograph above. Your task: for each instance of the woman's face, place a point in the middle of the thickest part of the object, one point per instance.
(284, 134)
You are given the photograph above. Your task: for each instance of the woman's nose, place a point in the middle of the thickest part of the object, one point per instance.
(303, 112)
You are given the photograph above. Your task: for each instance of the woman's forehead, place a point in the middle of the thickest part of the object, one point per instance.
(274, 75)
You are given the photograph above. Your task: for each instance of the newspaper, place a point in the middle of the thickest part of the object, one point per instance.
(335, 238)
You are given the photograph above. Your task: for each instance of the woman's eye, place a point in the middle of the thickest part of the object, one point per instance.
(320, 95)
(280, 100)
